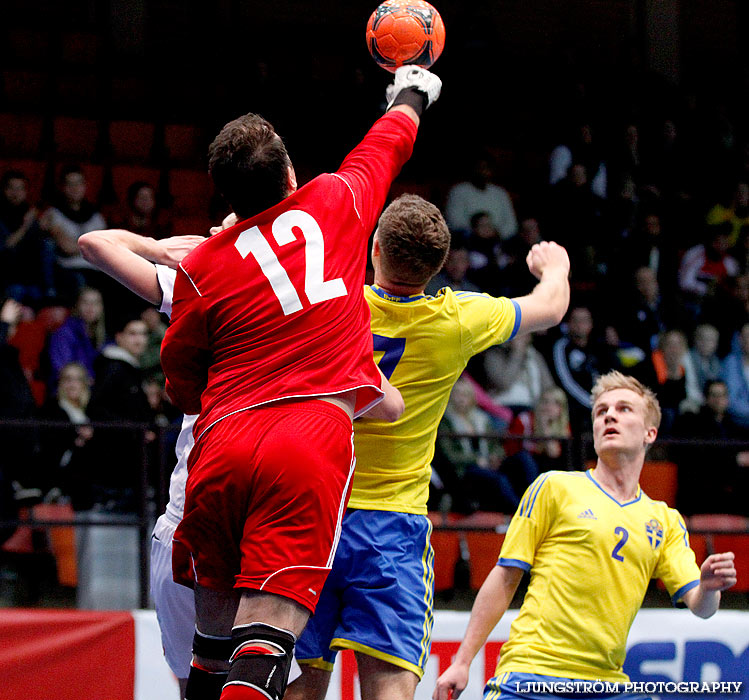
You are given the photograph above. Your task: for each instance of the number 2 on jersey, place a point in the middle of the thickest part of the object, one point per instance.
(316, 287)
(624, 537)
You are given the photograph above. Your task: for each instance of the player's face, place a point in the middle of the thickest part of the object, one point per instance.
(620, 423)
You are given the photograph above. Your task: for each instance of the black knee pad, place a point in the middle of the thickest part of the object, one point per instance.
(204, 685)
(209, 647)
(267, 672)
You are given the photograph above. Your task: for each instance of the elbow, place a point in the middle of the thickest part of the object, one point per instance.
(393, 407)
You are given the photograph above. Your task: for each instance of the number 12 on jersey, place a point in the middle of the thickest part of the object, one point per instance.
(316, 288)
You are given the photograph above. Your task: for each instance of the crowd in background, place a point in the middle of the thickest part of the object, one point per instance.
(653, 207)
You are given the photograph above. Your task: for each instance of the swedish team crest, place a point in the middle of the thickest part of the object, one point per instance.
(655, 533)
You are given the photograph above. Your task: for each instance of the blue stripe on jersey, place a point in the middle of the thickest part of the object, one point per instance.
(678, 595)
(394, 297)
(628, 503)
(518, 319)
(515, 563)
(483, 295)
(684, 530)
(532, 498)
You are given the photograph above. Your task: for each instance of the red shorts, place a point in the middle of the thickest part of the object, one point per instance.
(266, 492)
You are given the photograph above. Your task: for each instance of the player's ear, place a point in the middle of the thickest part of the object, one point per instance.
(651, 434)
(291, 179)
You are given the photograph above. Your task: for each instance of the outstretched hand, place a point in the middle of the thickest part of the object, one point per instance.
(718, 572)
(547, 255)
(172, 250)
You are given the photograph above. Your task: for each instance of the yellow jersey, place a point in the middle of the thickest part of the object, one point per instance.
(591, 559)
(422, 345)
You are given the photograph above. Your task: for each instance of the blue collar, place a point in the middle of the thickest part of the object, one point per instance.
(392, 297)
(589, 474)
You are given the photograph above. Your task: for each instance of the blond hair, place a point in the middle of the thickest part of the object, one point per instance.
(617, 380)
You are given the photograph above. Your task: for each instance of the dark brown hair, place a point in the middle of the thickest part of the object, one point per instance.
(249, 165)
(414, 240)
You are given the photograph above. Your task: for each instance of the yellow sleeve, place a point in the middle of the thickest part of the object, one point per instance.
(529, 525)
(677, 567)
(486, 320)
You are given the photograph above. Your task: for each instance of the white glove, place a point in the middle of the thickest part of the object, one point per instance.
(420, 79)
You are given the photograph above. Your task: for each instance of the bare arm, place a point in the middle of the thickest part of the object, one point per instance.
(410, 112)
(129, 258)
(717, 573)
(491, 603)
(391, 407)
(546, 305)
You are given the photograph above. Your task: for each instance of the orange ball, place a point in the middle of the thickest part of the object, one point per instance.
(405, 32)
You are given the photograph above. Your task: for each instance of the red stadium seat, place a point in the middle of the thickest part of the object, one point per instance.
(80, 48)
(24, 88)
(185, 144)
(75, 137)
(191, 191)
(446, 547)
(191, 226)
(125, 175)
(20, 134)
(483, 550)
(659, 481)
(131, 140)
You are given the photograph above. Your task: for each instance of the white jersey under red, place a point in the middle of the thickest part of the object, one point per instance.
(175, 508)
(273, 307)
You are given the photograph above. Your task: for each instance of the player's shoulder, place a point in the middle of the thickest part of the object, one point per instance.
(557, 481)
(664, 512)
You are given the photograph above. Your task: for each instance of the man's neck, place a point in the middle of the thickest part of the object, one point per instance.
(398, 289)
(619, 475)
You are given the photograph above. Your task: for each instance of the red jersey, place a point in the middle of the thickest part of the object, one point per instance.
(273, 307)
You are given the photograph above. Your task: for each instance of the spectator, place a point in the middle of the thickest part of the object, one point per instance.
(453, 273)
(728, 314)
(734, 374)
(641, 320)
(483, 252)
(703, 355)
(16, 402)
(150, 360)
(724, 491)
(142, 214)
(628, 156)
(469, 465)
(549, 419)
(577, 364)
(735, 212)
(575, 218)
(26, 254)
(81, 337)
(118, 396)
(479, 194)
(516, 374)
(64, 451)
(706, 268)
(579, 149)
(514, 276)
(66, 222)
(673, 379)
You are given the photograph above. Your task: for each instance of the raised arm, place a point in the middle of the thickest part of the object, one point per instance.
(546, 305)
(491, 603)
(717, 573)
(129, 257)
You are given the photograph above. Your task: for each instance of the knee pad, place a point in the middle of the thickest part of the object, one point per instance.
(210, 647)
(203, 684)
(255, 666)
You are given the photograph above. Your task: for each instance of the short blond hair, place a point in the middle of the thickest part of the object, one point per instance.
(616, 380)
